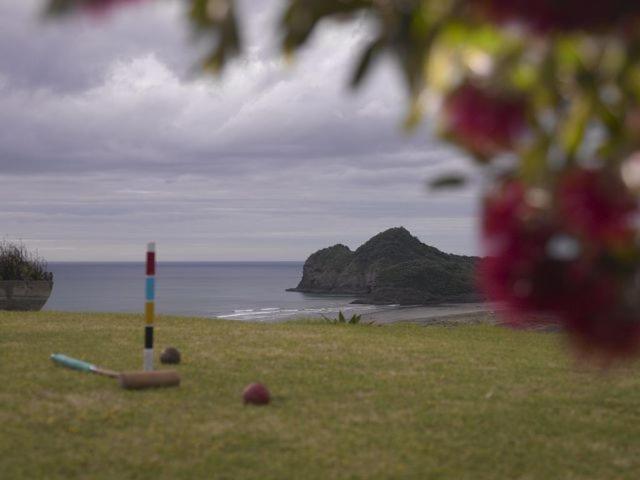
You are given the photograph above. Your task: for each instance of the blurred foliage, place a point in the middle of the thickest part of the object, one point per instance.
(216, 19)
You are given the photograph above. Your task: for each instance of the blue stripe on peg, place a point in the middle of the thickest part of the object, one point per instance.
(151, 289)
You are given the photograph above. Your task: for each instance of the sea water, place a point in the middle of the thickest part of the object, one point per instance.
(230, 290)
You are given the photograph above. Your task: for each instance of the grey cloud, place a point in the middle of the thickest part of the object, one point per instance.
(108, 139)
(69, 55)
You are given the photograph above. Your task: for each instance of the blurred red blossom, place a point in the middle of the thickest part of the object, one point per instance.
(485, 122)
(596, 203)
(605, 334)
(533, 264)
(544, 16)
(548, 261)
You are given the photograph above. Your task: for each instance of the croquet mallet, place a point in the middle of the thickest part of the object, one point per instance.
(128, 380)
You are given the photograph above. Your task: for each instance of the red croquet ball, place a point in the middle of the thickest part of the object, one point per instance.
(256, 394)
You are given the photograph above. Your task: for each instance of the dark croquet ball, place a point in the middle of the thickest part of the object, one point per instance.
(170, 355)
(256, 394)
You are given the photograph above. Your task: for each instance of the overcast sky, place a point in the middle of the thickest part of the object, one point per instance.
(109, 138)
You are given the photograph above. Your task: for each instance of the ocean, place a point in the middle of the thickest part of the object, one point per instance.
(231, 290)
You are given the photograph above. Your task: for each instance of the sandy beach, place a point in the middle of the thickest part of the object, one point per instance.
(446, 314)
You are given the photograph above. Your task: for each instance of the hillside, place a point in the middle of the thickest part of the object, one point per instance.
(392, 267)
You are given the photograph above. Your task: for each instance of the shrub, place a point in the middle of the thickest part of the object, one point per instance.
(18, 263)
(354, 320)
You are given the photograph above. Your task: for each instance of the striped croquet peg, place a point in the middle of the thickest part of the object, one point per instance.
(149, 307)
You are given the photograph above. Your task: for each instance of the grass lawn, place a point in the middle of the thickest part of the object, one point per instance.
(398, 401)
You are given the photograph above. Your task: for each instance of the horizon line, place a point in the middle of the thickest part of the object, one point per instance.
(176, 261)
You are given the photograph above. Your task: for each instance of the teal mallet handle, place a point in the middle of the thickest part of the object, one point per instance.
(73, 363)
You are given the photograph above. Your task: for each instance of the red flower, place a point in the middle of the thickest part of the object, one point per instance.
(505, 209)
(597, 204)
(539, 268)
(533, 264)
(484, 122)
(545, 16)
(607, 333)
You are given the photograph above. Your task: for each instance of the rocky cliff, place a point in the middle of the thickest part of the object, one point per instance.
(392, 267)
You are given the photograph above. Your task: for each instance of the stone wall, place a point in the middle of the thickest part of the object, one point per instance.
(24, 295)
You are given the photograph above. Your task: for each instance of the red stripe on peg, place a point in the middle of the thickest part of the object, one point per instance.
(151, 263)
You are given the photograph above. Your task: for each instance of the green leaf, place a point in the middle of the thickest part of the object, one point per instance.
(369, 54)
(533, 161)
(216, 20)
(573, 129)
(453, 180)
(60, 7)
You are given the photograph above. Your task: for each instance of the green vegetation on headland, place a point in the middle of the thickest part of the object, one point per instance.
(392, 267)
(349, 401)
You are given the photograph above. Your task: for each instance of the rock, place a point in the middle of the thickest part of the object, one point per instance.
(392, 267)
(322, 271)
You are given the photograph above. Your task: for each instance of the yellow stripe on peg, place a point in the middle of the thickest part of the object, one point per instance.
(149, 312)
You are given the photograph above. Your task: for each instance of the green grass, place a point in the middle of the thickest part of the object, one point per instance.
(472, 402)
